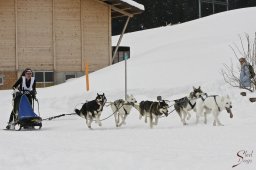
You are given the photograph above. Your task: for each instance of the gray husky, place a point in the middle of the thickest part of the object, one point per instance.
(186, 104)
(153, 110)
(122, 108)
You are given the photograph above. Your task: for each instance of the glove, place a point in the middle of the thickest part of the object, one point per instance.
(27, 92)
(33, 94)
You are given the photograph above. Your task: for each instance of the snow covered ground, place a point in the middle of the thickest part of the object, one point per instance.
(166, 61)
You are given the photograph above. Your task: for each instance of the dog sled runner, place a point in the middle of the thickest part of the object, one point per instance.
(25, 117)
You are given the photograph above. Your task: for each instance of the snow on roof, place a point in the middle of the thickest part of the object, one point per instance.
(122, 8)
(135, 4)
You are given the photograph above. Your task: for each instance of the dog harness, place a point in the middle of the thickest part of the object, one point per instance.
(24, 86)
(101, 105)
(191, 105)
(214, 96)
(128, 103)
(216, 102)
(184, 100)
(123, 103)
(206, 95)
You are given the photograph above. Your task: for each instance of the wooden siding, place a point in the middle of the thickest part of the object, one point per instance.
(54, 35)
(68, 35)
(9, 78)
(7, 35)
(95, 18)
(34, 34)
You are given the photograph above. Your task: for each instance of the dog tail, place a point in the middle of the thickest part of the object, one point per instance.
(177, 108)
(142, 108)
(77, 112)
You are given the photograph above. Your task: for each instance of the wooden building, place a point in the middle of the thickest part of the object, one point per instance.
(55, 38)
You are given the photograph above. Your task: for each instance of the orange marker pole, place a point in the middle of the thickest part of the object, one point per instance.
(87, 77)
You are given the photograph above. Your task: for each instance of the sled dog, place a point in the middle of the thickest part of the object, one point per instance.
(186, 104)
(153, 110)
(215, 105)
(122, 109)
(92, 109)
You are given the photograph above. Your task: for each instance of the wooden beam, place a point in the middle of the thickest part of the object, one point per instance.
(16, 37)
(115, 8)
(121, 11)
(53, 36)
(127, 8)
(82, 35)
(120, 38)
(110, 35)
(215, 2)
(116, 4)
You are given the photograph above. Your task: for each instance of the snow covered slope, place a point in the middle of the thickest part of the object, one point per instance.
(166, 61)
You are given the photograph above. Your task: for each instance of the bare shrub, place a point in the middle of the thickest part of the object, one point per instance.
(246, 49)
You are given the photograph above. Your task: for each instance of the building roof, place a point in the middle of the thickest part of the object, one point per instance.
(122, 8)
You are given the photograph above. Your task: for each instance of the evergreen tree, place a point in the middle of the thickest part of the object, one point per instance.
(163, 12)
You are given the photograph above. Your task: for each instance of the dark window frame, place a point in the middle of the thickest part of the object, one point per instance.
(43, 79)
(69, 74)
(1, 80)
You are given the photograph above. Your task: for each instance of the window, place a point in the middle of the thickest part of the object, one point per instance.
(39, 76)
(121, 54)
(49, 77)
(44, 76)
(1, 80)
(69, 76)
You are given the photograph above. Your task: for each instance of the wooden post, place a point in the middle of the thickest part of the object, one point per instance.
(120, 38)
(199, 9)
(87, 77)
(213, 7)
(16, 38)
(82, 34)
(110, 35)
(125, 75)
(53, 36)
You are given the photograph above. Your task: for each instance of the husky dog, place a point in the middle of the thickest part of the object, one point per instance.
(186, 104)
(197, 92)
(213, 104)
(122, 108)
(153, 110)
(92, 109)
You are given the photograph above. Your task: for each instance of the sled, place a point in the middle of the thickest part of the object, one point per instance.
(25, 117)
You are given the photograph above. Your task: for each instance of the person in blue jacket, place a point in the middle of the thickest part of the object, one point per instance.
(245, 80)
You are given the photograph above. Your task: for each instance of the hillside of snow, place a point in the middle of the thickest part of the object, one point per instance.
(168, 62)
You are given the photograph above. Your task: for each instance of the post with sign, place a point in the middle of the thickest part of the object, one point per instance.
(125, 62)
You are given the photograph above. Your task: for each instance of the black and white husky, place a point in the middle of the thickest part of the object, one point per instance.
(186, 104)
(122, 108)
(153, 110)
(213, 104)
(92, 110)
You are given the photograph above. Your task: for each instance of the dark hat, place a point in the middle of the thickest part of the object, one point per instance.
(28, 69)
